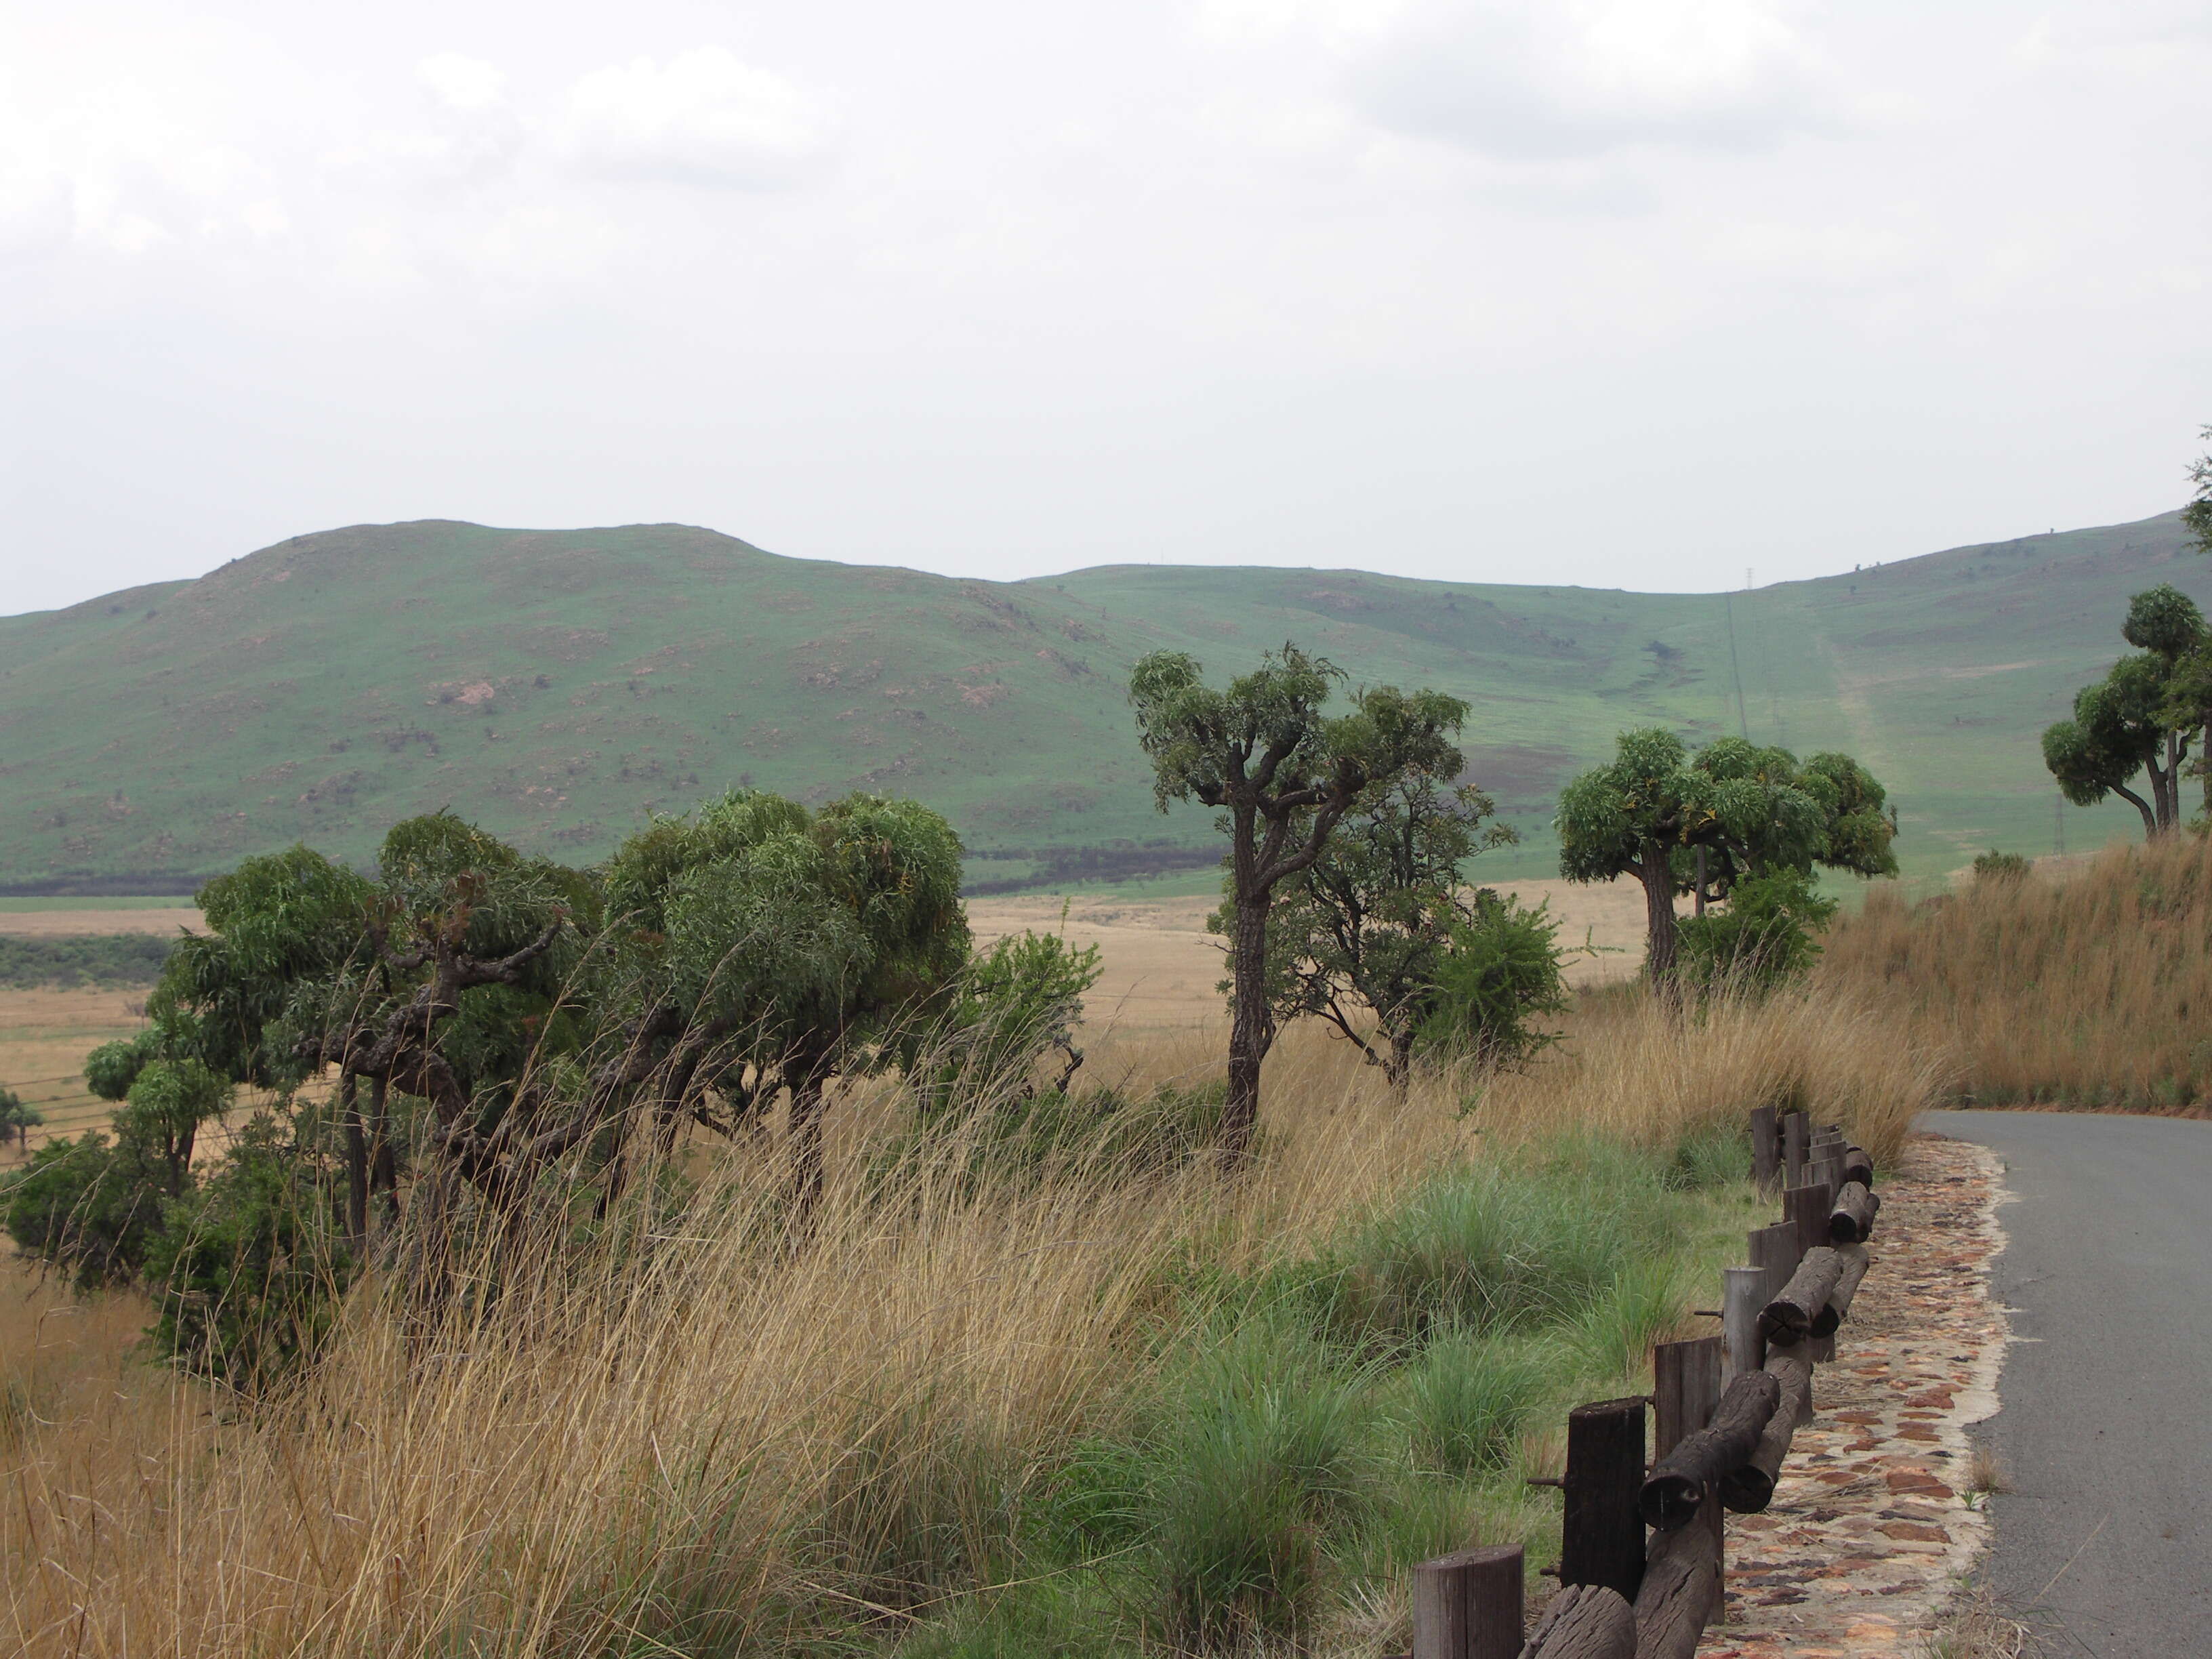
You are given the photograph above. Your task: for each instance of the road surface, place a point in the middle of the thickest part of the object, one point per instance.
(2105, 1541)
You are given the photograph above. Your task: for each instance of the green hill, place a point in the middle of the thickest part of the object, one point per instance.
(560, 685)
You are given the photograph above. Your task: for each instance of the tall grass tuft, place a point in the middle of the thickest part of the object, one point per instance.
(2087, 986)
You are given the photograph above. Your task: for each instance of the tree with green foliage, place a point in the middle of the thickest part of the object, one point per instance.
(1362, 931)
(18, 1119)
(2196, 516)
(1656, 806)
(1283, 775)
(764, 950)
(2142, 717)
(168, 1101)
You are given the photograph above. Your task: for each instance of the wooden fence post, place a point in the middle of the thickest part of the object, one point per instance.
(1601, 1534)
(1765, 1149)
(1744, 1293)
(1685, 1386)
(1807, 1209)
(1774, 1252)
(1793, 1149)
(1467, 1605)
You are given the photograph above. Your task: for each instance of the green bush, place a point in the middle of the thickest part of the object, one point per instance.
(1761, 939)
(247, 1269)
(88, 1206)
(73, 959)
(1994, 865)
(1498, 981)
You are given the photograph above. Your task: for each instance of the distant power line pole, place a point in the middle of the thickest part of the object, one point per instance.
(1735, 671)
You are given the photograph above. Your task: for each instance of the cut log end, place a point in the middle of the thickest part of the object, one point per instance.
(1851, 1220)
(1788, 1320)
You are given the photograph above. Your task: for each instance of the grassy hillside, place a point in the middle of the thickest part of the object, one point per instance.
(560, 685)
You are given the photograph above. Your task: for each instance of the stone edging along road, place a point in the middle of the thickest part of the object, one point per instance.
(1872, 1523)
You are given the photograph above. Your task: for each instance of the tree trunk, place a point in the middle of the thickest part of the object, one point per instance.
(382, 1167)
(1657, 876)
(1251, 1031)
(1399, 1067)
(2150, 822)
(356, 1162)
(807, 1143)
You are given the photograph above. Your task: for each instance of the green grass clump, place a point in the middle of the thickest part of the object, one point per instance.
(1307, 1432)
(1467, 1398)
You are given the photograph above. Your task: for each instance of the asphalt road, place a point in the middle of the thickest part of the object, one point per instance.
(2105, 1542)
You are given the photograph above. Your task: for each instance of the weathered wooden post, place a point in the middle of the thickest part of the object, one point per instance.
(1685, 1386)
(1467, 1605)
(1602, 1535)
(1744, 1292)
(1774, 1252)
(1794, 1136)
(1765, 1149)
(1806, 1208)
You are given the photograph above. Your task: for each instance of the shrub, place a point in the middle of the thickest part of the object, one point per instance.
(1994, 865)
(1499, 980)
(88, 1206)
(1763, 936)
(247, 1269)
(72, 959)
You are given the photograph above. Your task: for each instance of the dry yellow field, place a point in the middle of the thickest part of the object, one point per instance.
(1161, 966)
(45, 1036)
(45, 924)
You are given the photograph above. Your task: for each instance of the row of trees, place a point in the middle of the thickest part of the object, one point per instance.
(470, 1037)
(1348, 835)
(490, 1035)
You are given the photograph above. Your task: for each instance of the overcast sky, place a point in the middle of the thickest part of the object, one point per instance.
(1628, 293)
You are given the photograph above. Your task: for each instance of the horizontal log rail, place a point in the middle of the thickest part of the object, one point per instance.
(1625, 1595)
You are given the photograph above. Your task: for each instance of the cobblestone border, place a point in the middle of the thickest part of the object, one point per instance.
(1872, 1525)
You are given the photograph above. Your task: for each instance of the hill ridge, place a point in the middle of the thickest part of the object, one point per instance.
(561, 685)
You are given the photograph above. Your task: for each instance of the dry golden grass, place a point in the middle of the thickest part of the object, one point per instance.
(724, 1435)
(2087, 986)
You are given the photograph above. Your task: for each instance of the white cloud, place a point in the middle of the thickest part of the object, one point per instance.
(1561, 79)
(462, 84)
(704, 118)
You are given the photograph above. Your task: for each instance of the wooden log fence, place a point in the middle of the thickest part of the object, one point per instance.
(1642, 1549)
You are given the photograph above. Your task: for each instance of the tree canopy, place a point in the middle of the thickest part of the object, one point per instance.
(1364, 930)
(2143, 716)
(1749, 810)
